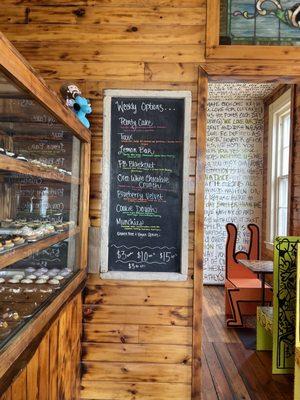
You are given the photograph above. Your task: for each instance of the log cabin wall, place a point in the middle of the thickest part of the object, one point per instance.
(137, 340)
(137, 337)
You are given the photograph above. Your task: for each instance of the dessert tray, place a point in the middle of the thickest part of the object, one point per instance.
(16, 234)
(25, 292)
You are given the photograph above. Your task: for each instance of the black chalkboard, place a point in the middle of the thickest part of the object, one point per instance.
(145, 199)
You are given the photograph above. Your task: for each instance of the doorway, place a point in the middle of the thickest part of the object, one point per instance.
(230, 369)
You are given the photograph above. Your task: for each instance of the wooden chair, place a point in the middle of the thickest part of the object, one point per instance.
(297, 348)
(276, 325)
(242, 287)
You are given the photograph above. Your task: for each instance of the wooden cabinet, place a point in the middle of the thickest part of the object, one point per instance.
(53, 372)
(44, 199)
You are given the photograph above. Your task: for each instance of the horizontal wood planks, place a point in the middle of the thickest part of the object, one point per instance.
(124, 333)
(134, 391)
(230, 371)
(54, 370)
(141, 296)
(138, 339)
(103, 15)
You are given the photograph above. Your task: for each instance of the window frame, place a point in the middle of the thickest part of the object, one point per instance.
(277, 110)
(214, 50)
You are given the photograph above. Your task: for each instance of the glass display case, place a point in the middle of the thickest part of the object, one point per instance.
(41, 212)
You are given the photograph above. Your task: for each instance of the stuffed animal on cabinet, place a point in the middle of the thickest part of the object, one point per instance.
(74, 100)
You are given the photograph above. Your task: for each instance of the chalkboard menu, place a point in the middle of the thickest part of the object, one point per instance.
(145, 191)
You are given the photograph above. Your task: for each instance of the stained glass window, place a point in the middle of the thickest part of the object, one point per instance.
(264, 22)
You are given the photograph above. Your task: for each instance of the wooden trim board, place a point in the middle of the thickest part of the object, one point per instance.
(27, 168)
(199, 234)
(84, 204)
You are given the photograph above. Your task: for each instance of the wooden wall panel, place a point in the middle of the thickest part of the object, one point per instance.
(137, 336)
(53, 373)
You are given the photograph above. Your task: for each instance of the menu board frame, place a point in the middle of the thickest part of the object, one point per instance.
(105, 272)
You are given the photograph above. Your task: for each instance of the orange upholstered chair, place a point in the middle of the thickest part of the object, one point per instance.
(242, 287)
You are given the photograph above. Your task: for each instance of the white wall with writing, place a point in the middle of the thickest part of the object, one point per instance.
(234, 167)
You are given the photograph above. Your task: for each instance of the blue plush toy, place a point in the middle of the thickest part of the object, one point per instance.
(80, 105)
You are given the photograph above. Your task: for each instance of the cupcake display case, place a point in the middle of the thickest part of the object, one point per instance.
(44, 173)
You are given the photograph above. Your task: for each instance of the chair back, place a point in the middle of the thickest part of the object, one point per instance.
(233, 269)
(284, 303)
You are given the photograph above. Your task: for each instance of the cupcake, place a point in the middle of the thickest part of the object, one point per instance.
(27, 231)
(45, 277)
(31, 276)
(59, 227)
(33, 237)
(8, 243)
(53, 281)
(12, 280)
(41, 281)
(18, 276)
(49, 228)
(18, 239)
(59, 277)
(10, 153)
(40, 232)
(26, 280)
(22, 158)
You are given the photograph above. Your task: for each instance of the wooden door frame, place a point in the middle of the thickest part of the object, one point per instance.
(199, 233)
(226, 72)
